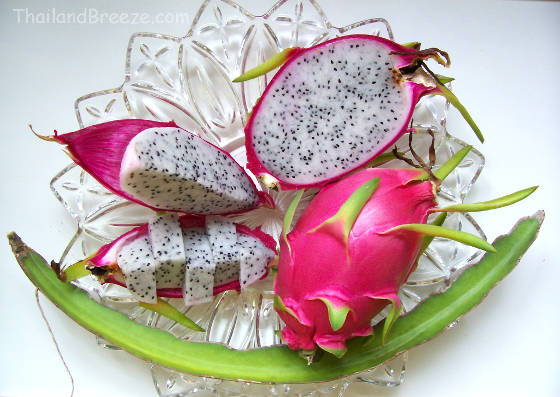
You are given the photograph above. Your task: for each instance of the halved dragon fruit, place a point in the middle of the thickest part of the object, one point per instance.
(354, 246)
(130, 261)
(333, 107)
(163, 167)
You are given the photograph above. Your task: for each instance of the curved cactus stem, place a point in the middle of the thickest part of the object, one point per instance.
(270, 64)
(489, 205)
(340, 224)
(278, 363)
(167, 310)
(337, 313)
(439, 231)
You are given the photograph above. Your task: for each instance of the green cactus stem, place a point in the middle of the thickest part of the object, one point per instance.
(279, 363)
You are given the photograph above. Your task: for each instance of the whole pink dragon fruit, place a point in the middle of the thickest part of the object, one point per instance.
(341, 264)
(355, 245)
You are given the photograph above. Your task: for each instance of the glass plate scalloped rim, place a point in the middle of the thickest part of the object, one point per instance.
(163, 75)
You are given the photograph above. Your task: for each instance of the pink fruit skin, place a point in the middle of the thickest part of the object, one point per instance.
(107, 254)
(416, 92)
(379, 263)
(99, 150)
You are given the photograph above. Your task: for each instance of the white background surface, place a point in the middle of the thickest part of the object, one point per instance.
(506, 62)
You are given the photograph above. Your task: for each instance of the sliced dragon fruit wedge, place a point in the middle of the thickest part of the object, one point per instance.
(222, 235)
(198, 278)
(333, 107)
(200, 267)
(163, 167)
(223, 239)
(139, 269)
(166, 237)
(253, 260)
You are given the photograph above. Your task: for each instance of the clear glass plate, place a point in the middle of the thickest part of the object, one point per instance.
(188, 79)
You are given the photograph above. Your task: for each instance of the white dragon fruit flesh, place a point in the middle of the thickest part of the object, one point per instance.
(250, 253)
(139, 269)
(163, 167)
(223, 239)
(333, 107)
(200, 267)
(168, 250)
(129, 261)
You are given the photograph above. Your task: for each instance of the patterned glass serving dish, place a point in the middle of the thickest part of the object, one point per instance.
(189, 80)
